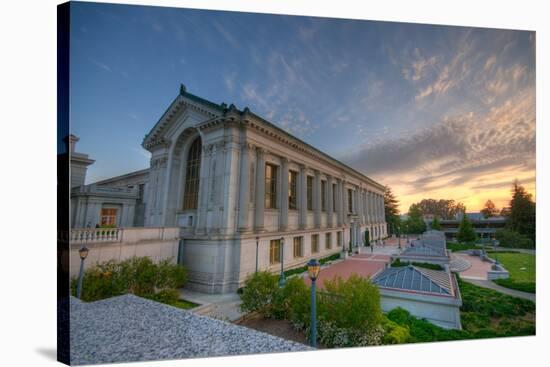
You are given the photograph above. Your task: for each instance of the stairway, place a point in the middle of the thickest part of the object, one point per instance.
(459, 264)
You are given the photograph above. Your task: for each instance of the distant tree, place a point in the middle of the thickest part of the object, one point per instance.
(489, 209)
(391, 207)
(466, 231)
(505, 212)
(444, 209)
(436, 224)
(415, 223)
(522, 212)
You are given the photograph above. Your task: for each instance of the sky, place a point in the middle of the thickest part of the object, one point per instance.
(431, 111)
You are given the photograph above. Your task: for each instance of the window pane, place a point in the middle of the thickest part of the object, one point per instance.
(292, 197)
(270, 186)
(309, 193)
(192, 176)
(274, 251)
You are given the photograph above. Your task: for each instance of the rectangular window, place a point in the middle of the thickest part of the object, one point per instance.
(334, 197)
(292, 189)
(324, 196)
(314, 243)
(339, 239)
(328, 241)
(274, 252)
(298, 248)
(108, 216)
(350, 201)
(309, 192)
(270, 186)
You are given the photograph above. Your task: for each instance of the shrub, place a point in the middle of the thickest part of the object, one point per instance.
(529, 287)
(395, 333)
(332, 336)
(397, 263)
(259, 292)
(351, 304)
(293, 302)
(422, 330)
(509, 238)
(170, 276)
(138, 275)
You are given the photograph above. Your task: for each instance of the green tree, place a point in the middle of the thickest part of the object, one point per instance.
(445, 209)
(391, 207)
(522, 212)
(489, 209)
(466, 231)
(436, 224)
(415, 223)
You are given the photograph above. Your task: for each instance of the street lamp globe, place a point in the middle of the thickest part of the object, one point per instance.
(83, 253)
(313, 269)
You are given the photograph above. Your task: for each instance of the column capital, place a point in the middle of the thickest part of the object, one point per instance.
(260, 152)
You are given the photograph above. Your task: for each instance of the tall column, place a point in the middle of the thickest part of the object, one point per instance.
(244, 196)
(378, 211)
(371, 207)
(330, 208)
(260, 190)
(382, 210)
(345, 208)
(338, 194)
(202, 208)
(303, 197)
(283, 208)
(317, 200)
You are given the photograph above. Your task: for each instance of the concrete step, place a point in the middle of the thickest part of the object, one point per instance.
(459, 264)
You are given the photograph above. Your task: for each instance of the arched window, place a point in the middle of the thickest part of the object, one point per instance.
(192, 176)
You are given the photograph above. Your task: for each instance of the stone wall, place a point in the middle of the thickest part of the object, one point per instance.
(156, 243)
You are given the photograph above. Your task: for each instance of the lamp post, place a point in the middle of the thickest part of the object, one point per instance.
(495, 244)
(282, 252)
(399, 236)
(83, 253)
(257, 245)
(313, 269)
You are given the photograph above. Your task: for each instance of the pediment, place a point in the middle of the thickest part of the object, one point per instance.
(185, 103)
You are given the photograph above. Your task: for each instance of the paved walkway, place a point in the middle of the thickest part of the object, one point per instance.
(365, 265)
(478, 269)
(511, 292)
(220, 306)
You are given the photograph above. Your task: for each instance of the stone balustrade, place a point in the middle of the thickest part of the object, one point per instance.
(104, 244)
(94, 235)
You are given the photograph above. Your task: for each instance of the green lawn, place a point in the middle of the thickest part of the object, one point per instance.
(522, 268)
(181, 303)
(455, 246)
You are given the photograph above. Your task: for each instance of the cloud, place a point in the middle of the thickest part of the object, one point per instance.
(100, 65)
(465, 153)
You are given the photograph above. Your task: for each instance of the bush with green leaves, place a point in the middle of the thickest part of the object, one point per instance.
(259, 292)
(353, 303)
(292, 302)
(398, 263)
(332, 336)
(509, 238)
(395, 333)
(137, 275)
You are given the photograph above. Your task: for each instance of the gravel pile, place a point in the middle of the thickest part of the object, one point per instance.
(129, 328)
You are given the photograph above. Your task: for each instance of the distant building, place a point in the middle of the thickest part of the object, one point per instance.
(485, 228)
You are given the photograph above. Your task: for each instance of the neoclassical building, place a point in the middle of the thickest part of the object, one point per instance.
(245, 194)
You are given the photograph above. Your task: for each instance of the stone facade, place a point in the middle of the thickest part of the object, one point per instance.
(249, 184)
(241, 208)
